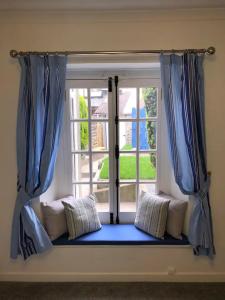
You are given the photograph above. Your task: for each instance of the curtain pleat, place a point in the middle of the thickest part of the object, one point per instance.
(183, 90)
(39, 122)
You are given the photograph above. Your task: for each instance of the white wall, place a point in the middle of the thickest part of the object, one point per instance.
(51, 31)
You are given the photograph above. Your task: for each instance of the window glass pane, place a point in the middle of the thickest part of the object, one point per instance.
(80, 136)
(147, 187)
(81, 190)
(127, 194)
(81, 170)
(127, 103)
(147, 166)
(137, 144)
(99, 103)
(127, 135)
(101, 192)
(78, 104)
(99, 136)
(147, 135)
(100, 167)
(127, 166)
(148, 102)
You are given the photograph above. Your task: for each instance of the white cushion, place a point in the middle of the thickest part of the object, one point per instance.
(176, 215)
(54, 216)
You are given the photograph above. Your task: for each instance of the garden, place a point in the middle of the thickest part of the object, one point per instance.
(128, 167)
(128, 161)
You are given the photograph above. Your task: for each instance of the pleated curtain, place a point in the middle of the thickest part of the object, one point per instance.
(39, 122)
(183, 93)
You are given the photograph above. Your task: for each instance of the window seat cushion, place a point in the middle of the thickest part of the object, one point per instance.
(122, 234)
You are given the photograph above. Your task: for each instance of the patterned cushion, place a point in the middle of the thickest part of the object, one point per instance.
(151, 214)
(54, 217)
(81, 216)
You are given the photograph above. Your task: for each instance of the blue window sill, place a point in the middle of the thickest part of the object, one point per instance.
(122, 234)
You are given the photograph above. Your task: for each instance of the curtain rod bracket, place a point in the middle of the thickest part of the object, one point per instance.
(211, 50)
(13, 53)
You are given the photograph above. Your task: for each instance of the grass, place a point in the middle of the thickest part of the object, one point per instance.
(128, 168)
(127, 147)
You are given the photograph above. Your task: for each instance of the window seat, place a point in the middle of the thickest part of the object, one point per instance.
(122, 234)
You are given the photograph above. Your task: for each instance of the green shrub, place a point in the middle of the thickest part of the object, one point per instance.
(84, 125)
(150, 98)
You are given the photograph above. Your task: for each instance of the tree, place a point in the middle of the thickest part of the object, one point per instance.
(83, 125)
(150, 99)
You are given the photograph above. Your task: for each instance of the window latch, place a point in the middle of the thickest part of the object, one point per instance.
(110, 85)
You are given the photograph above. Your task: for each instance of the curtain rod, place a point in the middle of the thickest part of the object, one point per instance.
(209, 51)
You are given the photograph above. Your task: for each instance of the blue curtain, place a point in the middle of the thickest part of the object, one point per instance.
(39, 122)
(183, 89)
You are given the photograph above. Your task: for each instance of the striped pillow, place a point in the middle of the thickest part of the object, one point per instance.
(151, 214)
(81, 216)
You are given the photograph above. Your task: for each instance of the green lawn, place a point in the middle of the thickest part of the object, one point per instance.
(127, 147)
(128, 168)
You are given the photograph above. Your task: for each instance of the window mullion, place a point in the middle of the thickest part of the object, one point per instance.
(137, 146)
(90, 139)
(117, 204)
(158, 139)
(111, 141)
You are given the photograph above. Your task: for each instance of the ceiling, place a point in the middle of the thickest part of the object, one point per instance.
(107, 4)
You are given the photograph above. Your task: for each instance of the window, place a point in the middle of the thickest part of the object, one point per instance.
(114, 142)
(138, 124)
(90, 142)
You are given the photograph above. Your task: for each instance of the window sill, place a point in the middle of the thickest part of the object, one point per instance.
(122, 234)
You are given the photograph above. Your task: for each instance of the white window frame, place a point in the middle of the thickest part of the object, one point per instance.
(88, 84)
(126, 217)
(124, 81)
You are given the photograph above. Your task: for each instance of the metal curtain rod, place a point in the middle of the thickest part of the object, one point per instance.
(15, 53)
